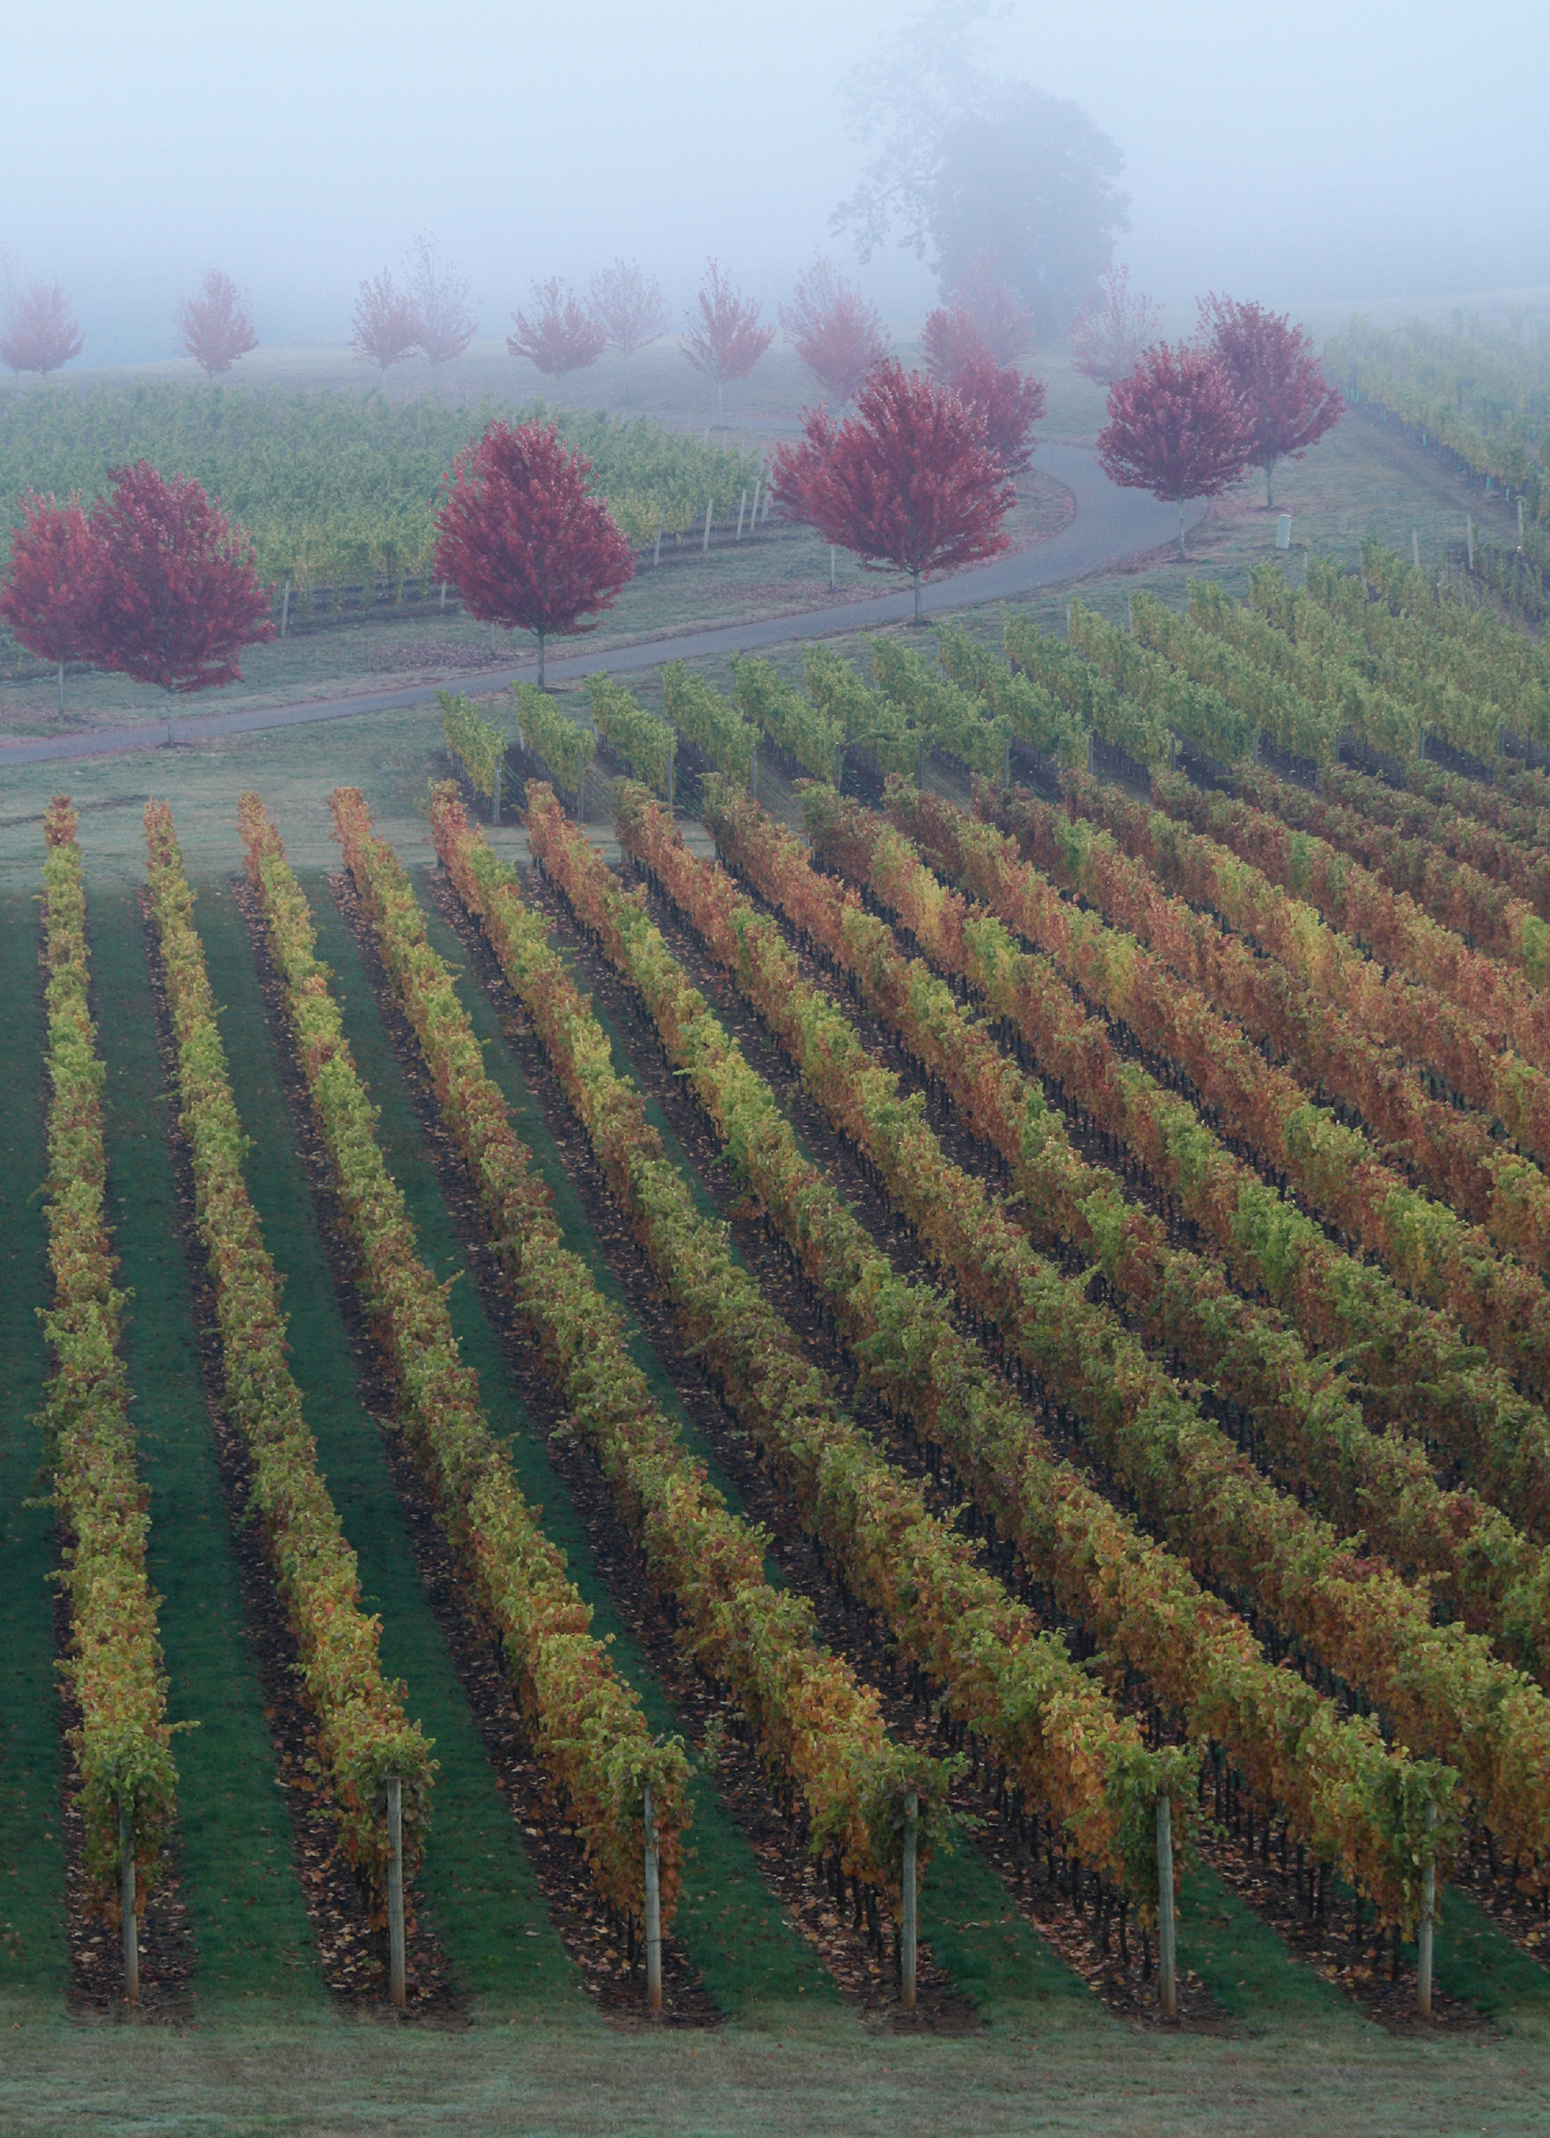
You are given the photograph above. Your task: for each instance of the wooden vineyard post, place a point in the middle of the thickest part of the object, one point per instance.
(285, 609)
(498, 769)
(1469, 537)
(1091, 755)
(672, 770)
(907, 1926)
(1166, 1973)
(920, 765)
(1006, 763)
(705, 545)
(656, 553)
(742, 507)
(1520, 523)
(653, 1913)
(1415, 549)
(753, 774)
(1423, 1954)
(126, 1896)
(395, 1826)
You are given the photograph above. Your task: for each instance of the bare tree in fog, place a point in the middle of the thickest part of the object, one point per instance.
(965, 164)
(442, 301)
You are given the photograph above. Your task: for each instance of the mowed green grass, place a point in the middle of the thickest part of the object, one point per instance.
(234, 1834)
(477, 1886)
(32, 1862)
(733, 1929)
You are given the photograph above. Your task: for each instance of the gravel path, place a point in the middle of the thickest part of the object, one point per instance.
(1109, 525)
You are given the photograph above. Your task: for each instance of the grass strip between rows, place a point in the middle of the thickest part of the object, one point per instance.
(33, 1957)
(1356, 1803)
(235, 1840)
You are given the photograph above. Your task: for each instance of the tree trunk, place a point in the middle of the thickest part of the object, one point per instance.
(395, 1833)
(907, 1910)
(126, 1895)
(915, 583)
(1270, 469)
(541, 636)
(169, 720)
(61, 686)
(1183, 553)
(1167, 1979)
(653, 1914)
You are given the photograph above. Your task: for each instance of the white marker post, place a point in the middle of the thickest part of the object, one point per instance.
(1423, 1957)
(1167, 1982)
(395, 1827)
(1284, 531)
(653, 1913)
(742, 506)
(126, 1896)
(907, 1926)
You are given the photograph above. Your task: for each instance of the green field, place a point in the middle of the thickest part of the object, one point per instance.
(261, 2043)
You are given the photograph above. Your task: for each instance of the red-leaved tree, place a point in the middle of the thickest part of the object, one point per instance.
(1113, 329)
(561, 336)
(835, 332)
(1176, 427)
(442, 300)
(386, 325)
(49, 591)
(949, 341)
(627, 305)
(724, 339)
(1007, 404)
(216, 326)
(174, 596)
(43, 334)
(1278, 377)
(1003, 322)
(908, 481)
(523, 539)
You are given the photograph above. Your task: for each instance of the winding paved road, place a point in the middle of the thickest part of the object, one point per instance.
(1109, 525)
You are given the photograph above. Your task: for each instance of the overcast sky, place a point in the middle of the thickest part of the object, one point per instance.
(1299, 153)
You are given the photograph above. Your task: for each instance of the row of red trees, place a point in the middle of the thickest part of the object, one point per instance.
(1248, 392)
(155, 584)
(44, 334)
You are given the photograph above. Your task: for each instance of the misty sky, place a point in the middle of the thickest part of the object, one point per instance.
(1297, 153)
